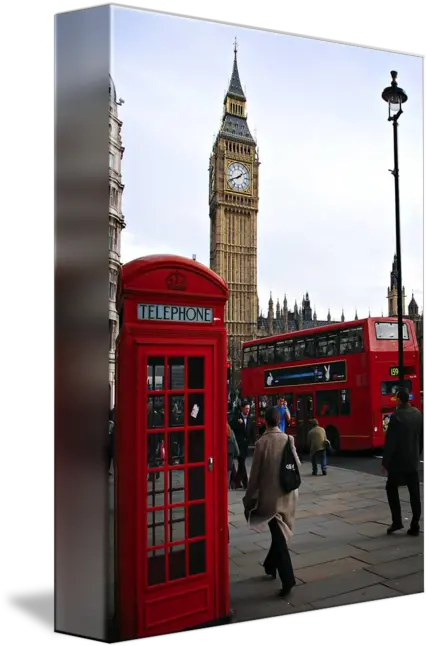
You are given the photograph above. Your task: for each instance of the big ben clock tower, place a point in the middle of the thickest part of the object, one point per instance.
(233, 199)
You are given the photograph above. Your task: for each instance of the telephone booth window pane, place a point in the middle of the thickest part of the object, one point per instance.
(197, 557)
(177, 562)
(196, 487)
(176, 453)
(196, 409)
(155, 489)
(196, 446)
(196, 373)
(156, 534)
(176, 410)
(155, 373)
(196, 521)
(155, 450)
(155, 412)
(176, 524)
(156, 567)
(176, 373)
(176, 486)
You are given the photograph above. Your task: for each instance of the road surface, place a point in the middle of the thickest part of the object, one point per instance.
(360, 462)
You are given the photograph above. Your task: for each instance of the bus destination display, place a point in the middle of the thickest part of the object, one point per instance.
(320, 373)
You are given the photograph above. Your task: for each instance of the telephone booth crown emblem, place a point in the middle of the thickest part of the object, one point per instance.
(176, 281)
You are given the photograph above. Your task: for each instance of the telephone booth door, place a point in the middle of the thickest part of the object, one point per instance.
(177, 565)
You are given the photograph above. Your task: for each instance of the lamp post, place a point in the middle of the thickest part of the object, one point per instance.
(395, 97)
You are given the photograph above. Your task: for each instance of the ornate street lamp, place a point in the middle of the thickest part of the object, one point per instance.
(395, 97)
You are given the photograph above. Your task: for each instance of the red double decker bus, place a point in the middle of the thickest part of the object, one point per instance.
(345, 375)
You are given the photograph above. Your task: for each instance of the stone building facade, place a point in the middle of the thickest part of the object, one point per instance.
(116, 224)
(281, 319)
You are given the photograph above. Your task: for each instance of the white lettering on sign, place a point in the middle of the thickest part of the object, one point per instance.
(175, 313)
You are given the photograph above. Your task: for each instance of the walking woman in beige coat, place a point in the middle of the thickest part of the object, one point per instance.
(266, 503)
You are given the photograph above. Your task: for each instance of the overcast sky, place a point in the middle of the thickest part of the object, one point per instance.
(326, 221)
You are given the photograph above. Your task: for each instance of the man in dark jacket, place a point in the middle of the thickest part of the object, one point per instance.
(403, 447)
(242, 427)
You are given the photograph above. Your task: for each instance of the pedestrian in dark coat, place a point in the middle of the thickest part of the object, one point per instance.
(233, 453)
(242, 427)
(401, 457)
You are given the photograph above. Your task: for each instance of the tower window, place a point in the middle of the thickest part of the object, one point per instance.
(111, 160)
(113, 197)
(112, 238)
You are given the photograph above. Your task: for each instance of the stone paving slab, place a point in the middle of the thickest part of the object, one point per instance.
(390, 553)
(340, 551)
(397, 569)
(381, 542)
(412, 584)
(329, 569)
(372, 593)
(321, 556)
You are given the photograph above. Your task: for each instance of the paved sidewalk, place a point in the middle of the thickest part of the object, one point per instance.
(340, 551)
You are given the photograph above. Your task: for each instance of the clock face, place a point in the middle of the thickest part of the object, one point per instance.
(238, 176)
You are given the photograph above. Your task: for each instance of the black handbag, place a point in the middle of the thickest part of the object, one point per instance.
(289, 471)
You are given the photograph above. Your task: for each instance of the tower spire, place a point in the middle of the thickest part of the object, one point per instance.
(235, 88)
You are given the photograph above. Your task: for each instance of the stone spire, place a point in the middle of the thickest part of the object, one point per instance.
(300, 319)
(329, 316)
(271, 316)
(285, 314)
(343, 316)
(235, 88)
(356, 315)
(413, 308)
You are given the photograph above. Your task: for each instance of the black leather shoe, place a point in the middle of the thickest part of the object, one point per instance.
(413, 531)
(284, 592)
(324, 473)
(394, 528)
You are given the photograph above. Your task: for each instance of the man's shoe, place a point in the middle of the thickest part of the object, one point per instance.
(324, 473)
(284, 592)
(314, 473)
(413, 531)
(394, 528)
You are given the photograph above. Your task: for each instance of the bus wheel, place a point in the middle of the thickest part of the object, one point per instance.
(334, 438)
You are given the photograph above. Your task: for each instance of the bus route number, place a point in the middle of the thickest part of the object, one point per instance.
(393, 372)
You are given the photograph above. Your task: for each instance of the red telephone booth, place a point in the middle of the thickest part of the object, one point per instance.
(171, 482)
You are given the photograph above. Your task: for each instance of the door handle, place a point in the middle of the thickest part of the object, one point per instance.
(210, 464)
